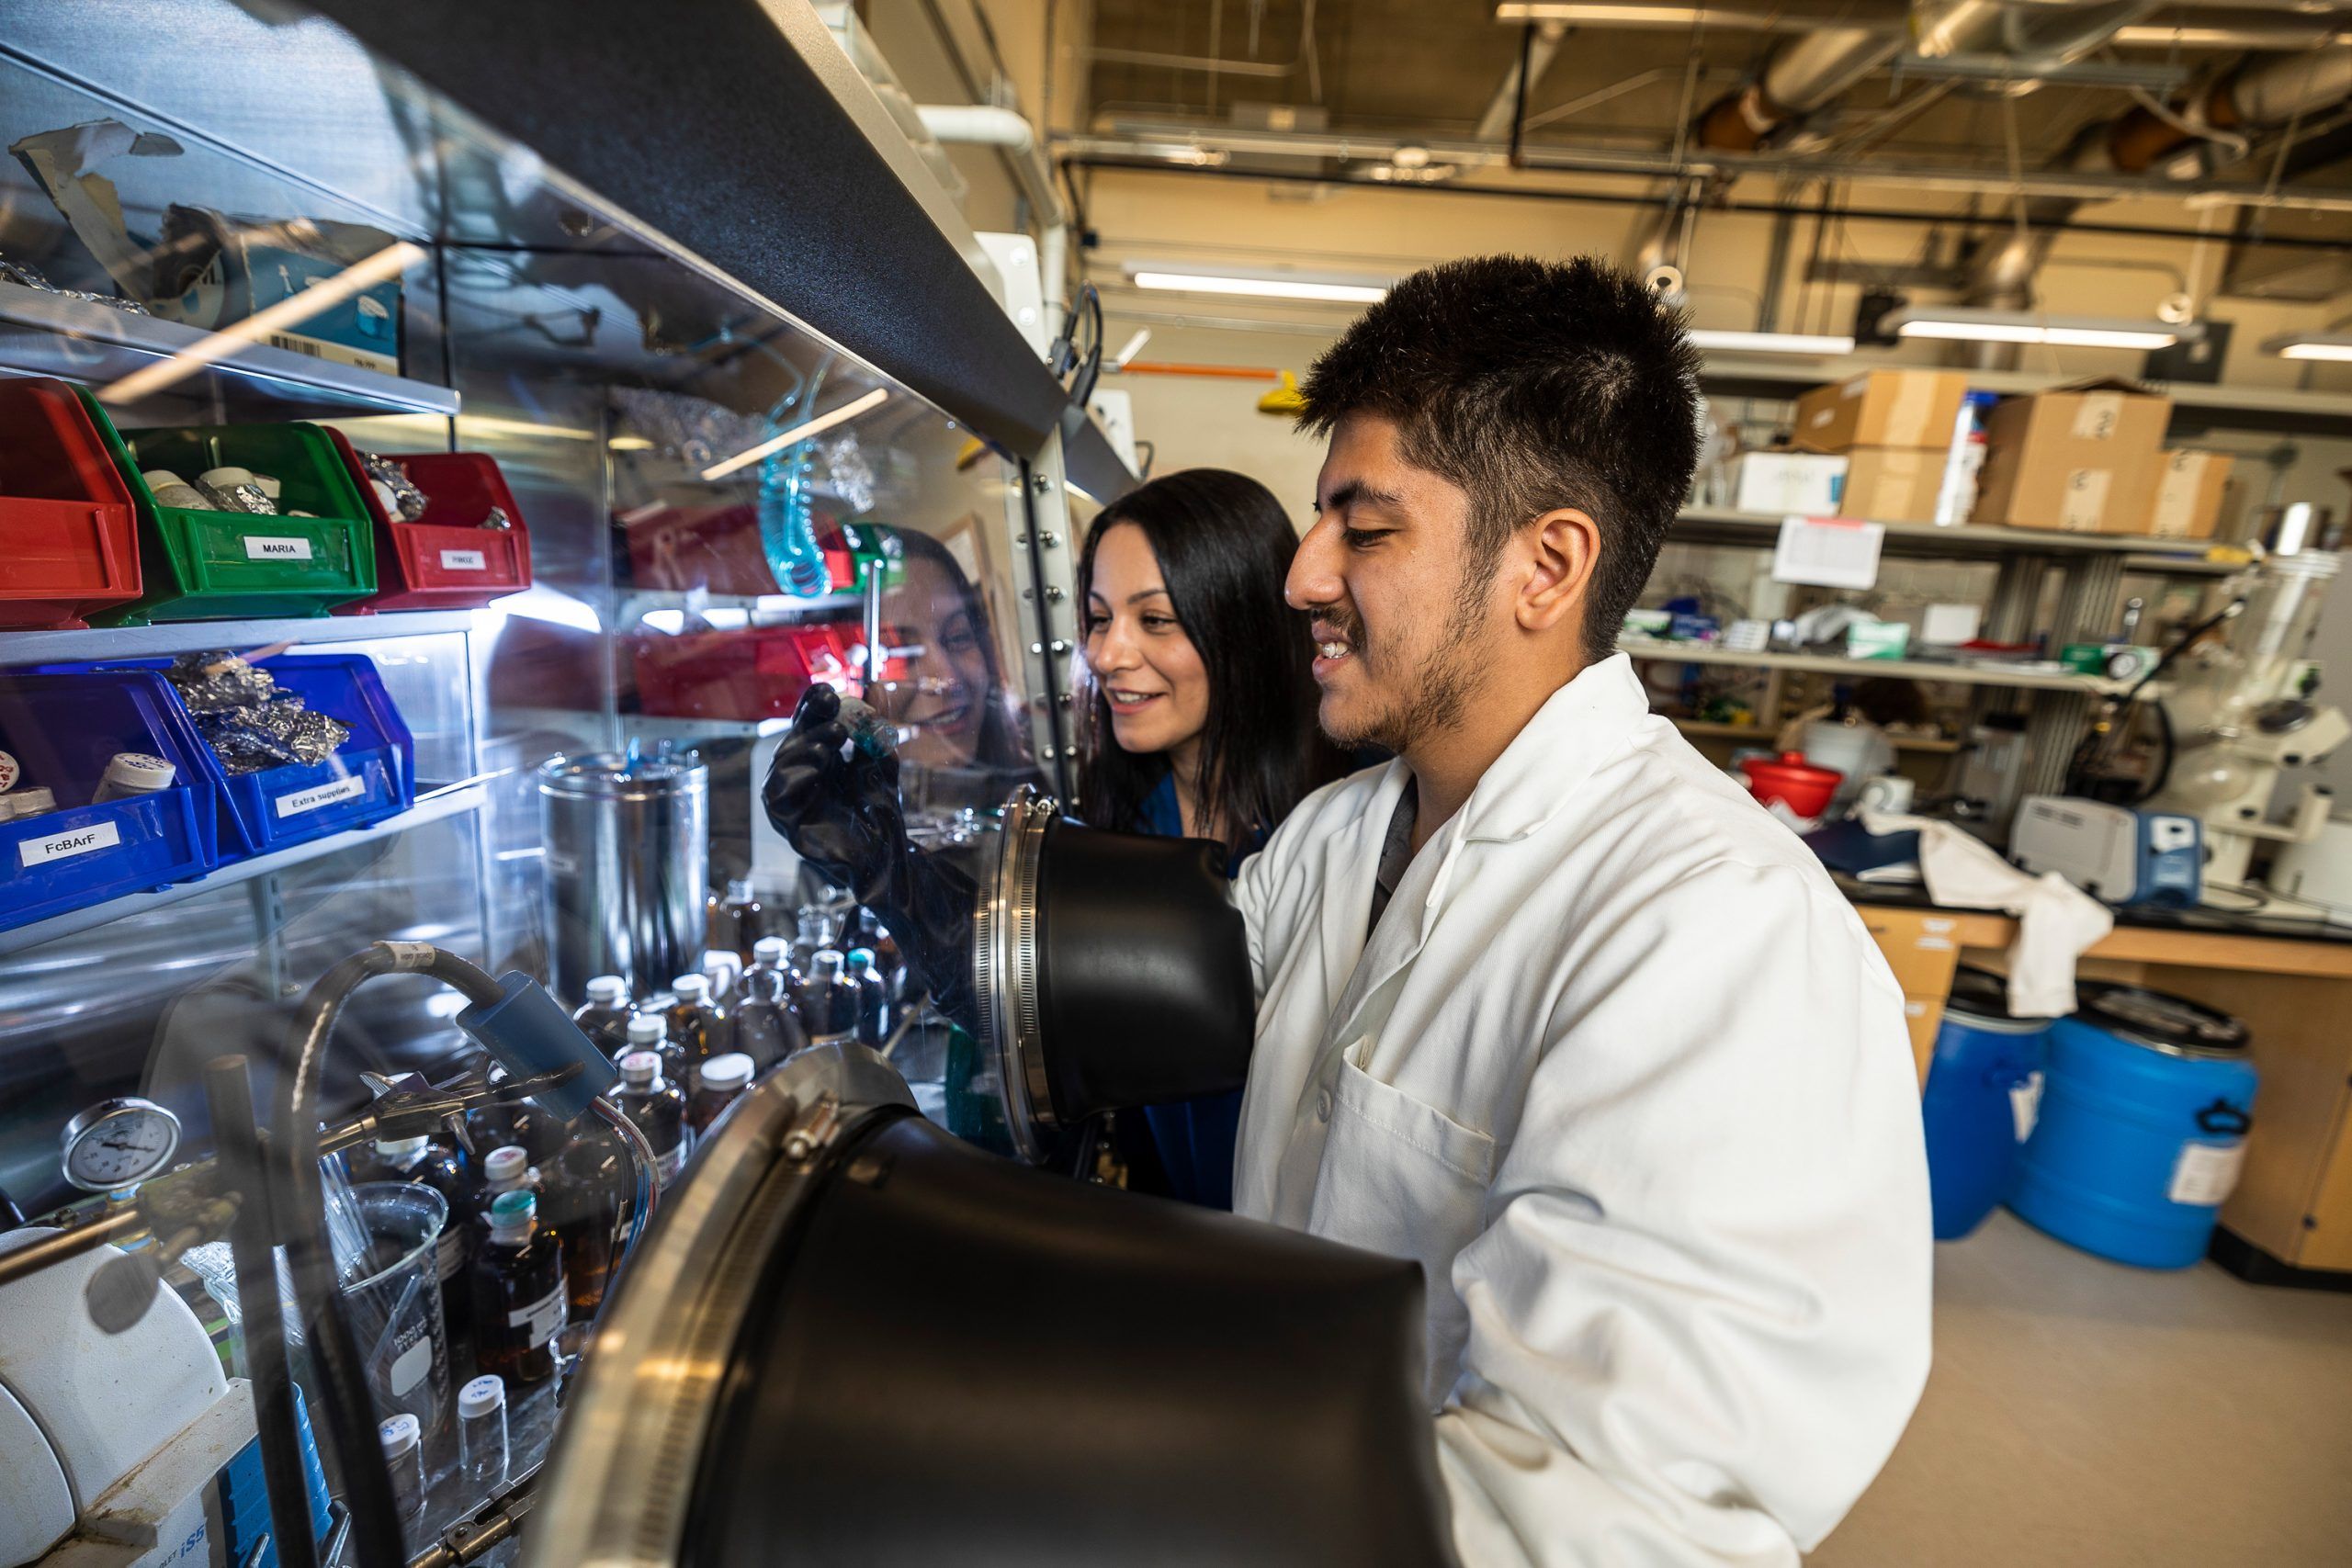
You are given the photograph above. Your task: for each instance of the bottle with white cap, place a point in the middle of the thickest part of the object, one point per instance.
(767, 1026)
(504, 1169)
(520, 1301)
(403, 1441)
(132, 774)
(429, 1163)
(603, 1017)
(724, 1079)
(34, 802)
(699, 1025)
(650, 1032)
(481, 1434)
(830, 1000)
(658, 1107)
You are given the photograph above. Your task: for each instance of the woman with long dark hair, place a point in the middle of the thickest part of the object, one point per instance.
(1196, 711)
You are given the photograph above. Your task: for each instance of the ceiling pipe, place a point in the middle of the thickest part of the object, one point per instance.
(2264, 93)
(982, 125)
(1495, 124)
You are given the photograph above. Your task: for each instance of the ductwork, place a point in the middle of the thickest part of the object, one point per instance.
(980, 125)
(2263, 93)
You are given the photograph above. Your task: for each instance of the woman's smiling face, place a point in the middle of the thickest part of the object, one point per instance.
(1137, 653)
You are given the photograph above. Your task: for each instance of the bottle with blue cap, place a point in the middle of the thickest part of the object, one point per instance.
(520, 1301)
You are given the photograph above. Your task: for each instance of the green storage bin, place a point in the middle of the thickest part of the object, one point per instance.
(232, 565)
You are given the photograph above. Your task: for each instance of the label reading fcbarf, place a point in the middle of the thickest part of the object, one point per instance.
(64, 846)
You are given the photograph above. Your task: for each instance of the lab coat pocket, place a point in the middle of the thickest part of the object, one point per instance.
(1403, 1178)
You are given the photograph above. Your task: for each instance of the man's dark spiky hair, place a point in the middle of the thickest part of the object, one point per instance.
(1531, 385)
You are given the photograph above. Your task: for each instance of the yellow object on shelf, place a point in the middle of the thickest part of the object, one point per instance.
(1285, 399)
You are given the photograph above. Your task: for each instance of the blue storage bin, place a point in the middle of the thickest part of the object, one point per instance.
(2145, 1109)
(1983, 1083)
(373, 775)
(63, 731)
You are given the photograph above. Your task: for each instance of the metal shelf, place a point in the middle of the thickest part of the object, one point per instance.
(1928, 541)
(1907, 669)
(1709, 729)
(2196, 406)
(43, 333)
(438, 805)
(653, 727)
(637, 602)
(186, 636)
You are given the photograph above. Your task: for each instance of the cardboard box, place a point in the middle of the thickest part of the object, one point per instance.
(2189, 486)
(1893, 484)
(1803, 483)
(2081, 458)
(1921, 948)
(1881, 408)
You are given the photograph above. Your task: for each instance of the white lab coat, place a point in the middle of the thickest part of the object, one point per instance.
(1626, 1075)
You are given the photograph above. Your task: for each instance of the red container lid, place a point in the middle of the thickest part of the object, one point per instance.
(1800, 786)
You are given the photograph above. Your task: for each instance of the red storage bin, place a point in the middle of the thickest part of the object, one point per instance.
(757, 673)
(715, 548)
(443, 561)
(69, 541)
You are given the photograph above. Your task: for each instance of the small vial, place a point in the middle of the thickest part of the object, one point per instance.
(481, 1433)
(723, 1079)
(404, 1442)
(133, 773)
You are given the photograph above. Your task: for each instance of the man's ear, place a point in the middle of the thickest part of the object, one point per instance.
(1564, 546)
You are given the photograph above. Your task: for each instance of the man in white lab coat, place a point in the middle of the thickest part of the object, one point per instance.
(1549, 1004)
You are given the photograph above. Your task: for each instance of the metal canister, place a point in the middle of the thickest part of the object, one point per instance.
(627, 865)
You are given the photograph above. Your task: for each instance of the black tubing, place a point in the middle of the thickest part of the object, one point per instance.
(236, 1153)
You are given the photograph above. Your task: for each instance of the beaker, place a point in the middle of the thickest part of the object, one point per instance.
(393, 1299)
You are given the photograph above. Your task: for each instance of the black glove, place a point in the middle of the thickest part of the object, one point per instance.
(833, 794)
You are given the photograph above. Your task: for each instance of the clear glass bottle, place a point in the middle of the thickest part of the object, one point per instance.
(746, 919)
(520, 1301)
(829, 1000)
(658, 1107)
(650, 1032)
(816, 934)
(584, 1206)
(699, 1025)
(481, 1434)
(873, 997)
(767, 1023)
(724, 1079)
(603, 1018)
(403, 1441)
(723, 970)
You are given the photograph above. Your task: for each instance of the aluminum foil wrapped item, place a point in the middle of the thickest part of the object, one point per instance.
(248, 720)
(393, 487)
(26, 276)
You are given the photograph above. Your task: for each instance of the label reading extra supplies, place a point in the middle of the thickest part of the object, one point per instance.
(464, 560)
(67, 845)
(301, 800)
(264, 547)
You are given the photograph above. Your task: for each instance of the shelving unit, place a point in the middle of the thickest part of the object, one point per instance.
(43, 333)
(1863, 668)
(1763, 735)
(1926, 541)
(437, 806)
(184, 637)
(654, 726)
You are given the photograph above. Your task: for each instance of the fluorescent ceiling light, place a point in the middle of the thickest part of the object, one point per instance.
(1770, 342)
(2311, 345)
(1634, 14)
(1330, 287)
(1133, 347)
(1971, 324)
(799, 433)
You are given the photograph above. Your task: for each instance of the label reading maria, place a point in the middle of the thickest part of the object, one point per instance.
(301, 800)
(65, 846)
(267, 547)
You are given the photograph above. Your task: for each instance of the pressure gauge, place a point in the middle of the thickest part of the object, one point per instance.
(118, 1144)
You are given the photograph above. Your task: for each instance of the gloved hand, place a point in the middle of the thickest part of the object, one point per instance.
(833, 792)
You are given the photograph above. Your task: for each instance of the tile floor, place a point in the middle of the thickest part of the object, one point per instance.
(2085, 1415)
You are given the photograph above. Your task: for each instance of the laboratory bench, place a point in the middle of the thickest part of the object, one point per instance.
(2290, 979)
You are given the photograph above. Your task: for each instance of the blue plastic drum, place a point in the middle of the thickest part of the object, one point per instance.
(2145, 1113)
(1983, 1084)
